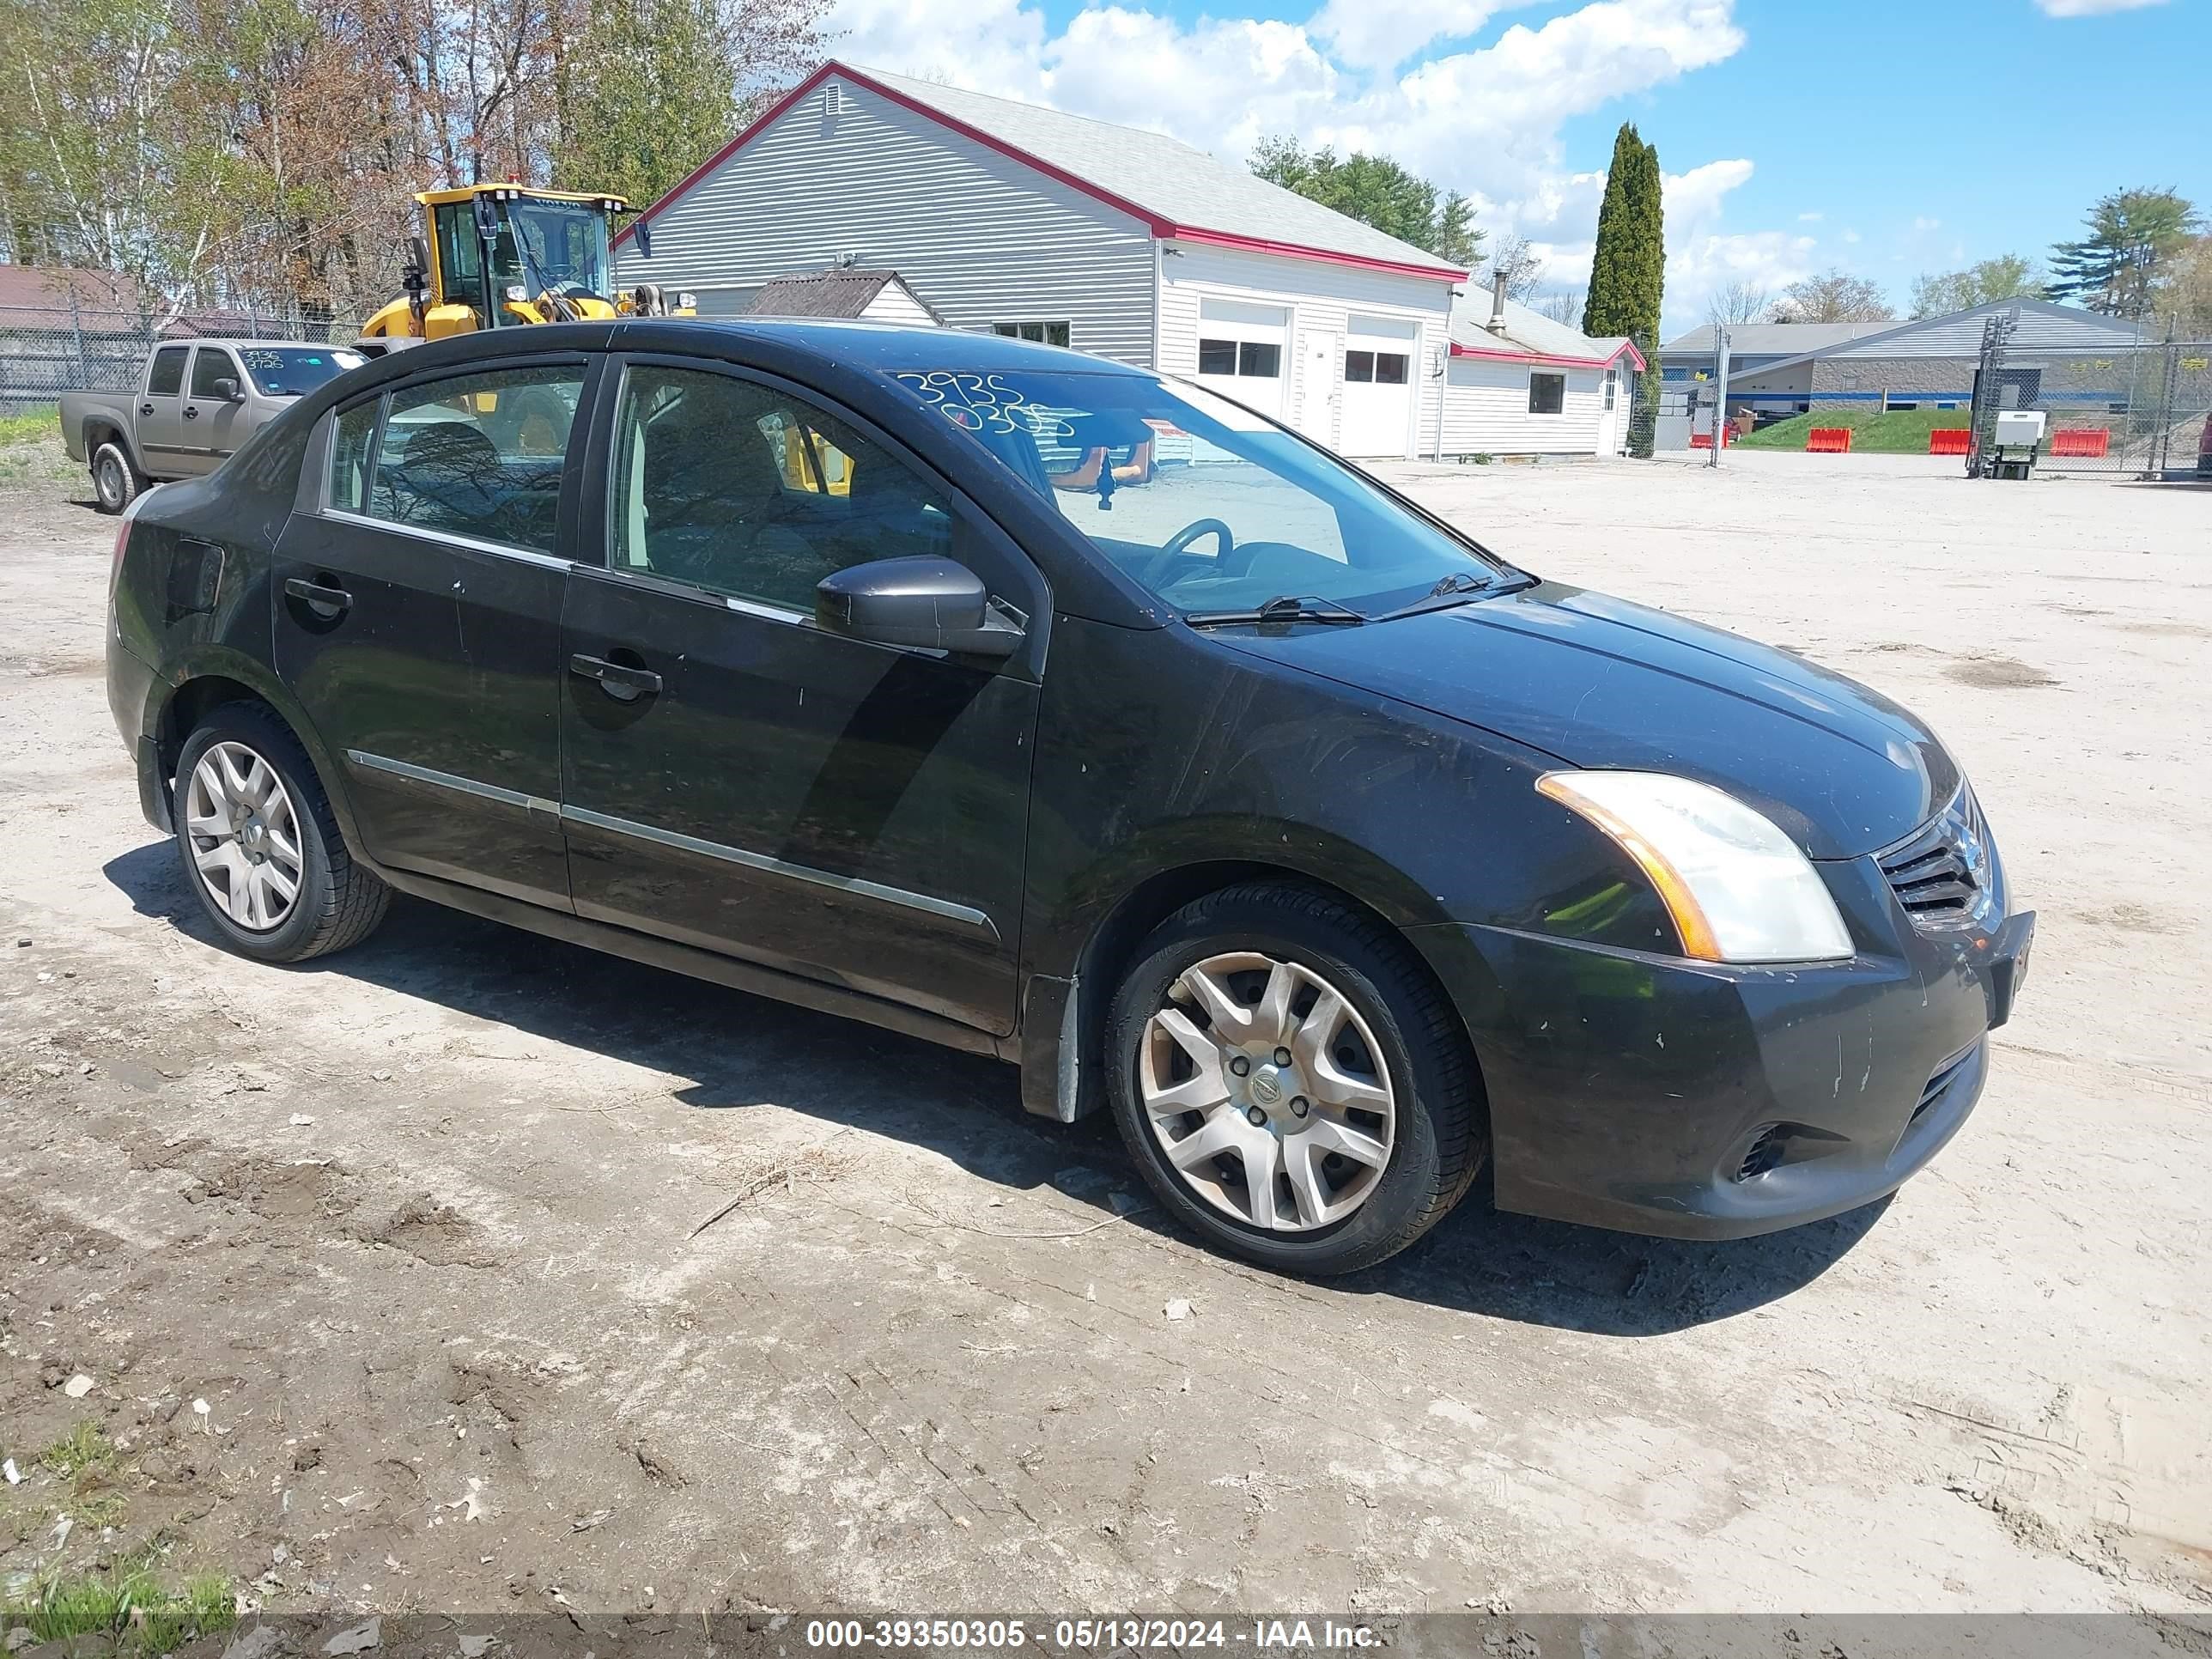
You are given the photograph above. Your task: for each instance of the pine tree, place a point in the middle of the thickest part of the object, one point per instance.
(2116, 268)
(1628, 269)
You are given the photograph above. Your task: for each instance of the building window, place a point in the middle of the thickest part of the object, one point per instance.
(1042, 333)
(1252, 359)
(1547, 393)
(1377, 368)
(1612, 386)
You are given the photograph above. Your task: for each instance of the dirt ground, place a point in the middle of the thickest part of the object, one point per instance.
(383, 1281)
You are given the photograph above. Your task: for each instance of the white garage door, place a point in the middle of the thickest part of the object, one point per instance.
(1241, 352)
(1378, 386)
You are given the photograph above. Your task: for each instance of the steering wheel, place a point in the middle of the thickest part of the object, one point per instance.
(1179, 543)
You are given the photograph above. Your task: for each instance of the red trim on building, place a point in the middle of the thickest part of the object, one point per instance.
(1626, 348)
(1158, 226)
(1294, 251)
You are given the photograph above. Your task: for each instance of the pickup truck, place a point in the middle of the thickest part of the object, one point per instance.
(197, 402)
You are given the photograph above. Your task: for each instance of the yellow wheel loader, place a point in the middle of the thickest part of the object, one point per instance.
(499, 256)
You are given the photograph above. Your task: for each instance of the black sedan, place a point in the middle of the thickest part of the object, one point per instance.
(1053, 709)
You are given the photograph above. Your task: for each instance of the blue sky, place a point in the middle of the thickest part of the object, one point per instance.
(1888, 136)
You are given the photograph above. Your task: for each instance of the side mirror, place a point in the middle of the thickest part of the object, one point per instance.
(643, 238)
(227, 389)
(933, 604)
(486, 213)
(416, 276)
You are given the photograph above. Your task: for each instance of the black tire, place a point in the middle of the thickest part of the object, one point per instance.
(338, 902)
(1442, 1137)
(116, 483)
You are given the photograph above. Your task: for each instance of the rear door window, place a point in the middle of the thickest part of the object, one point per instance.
(166, 377)
(477, 455)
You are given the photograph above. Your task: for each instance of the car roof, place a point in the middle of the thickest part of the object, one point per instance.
(288, 345)
(845, 343)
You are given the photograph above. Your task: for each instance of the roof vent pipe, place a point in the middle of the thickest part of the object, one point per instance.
(1497, 323)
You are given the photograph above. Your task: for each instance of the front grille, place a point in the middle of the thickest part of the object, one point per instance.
(1942, 874)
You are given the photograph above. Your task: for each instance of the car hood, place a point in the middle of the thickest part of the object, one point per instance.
(1600, 683)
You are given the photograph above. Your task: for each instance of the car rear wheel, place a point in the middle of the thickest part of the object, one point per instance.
(260, 847)
(1291, 1082)
(115, 481)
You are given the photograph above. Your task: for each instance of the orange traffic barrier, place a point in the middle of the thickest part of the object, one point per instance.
(1828, 440)
(1705, 440)
(2085, 442)
(1950, 441)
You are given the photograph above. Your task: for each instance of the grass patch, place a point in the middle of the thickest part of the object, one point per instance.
(39, 426)
(140, 1616)
(1896, 432)
(84, 1451)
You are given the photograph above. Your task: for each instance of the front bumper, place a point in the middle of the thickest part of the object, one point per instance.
(1695, 1101)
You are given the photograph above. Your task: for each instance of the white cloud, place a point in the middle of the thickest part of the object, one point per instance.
(1921, 221)
(1810, 218)
(2091, 7)
(1381, 34)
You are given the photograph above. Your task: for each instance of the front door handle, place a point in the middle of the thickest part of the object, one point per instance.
(618, 680)
(328, 603)
(191, 412)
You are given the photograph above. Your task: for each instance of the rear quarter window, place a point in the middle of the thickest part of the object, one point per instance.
(351, 447)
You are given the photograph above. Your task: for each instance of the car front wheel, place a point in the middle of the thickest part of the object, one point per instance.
(259, 844)
(1292, 1084)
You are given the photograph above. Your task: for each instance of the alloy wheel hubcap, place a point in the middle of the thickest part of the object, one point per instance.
(245, 836)
(1267, 1092)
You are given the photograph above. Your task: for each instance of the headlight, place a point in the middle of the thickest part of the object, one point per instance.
(1737, 887)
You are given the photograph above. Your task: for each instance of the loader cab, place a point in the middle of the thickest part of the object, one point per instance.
(490, 242)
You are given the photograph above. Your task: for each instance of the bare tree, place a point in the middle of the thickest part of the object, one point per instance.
(1740, 302)
(1834, 297)
(1565, 306)
(1522, 266)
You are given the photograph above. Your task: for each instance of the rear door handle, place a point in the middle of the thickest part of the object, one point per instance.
(328, 603)
(618, 680)
(145, 409)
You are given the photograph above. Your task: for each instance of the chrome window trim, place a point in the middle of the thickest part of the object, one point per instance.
(445, 537)
(967, 915)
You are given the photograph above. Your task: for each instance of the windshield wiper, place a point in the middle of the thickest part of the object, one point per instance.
(1455, 589)
(1283, 608)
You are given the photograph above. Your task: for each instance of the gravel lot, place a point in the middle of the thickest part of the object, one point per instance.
(416, 1224)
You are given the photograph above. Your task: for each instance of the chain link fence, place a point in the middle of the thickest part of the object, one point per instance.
(46, 350)
(2134, 412)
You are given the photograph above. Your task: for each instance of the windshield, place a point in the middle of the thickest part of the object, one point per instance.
(294, 371)
(567, 247)
(1210, 506)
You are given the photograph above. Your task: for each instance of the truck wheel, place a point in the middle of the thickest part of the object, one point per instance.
(114, 480)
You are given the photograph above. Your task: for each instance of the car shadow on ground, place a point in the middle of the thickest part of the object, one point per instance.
(740, 1051)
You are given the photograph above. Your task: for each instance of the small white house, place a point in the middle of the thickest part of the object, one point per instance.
(1520, 383)
(1010, 217)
